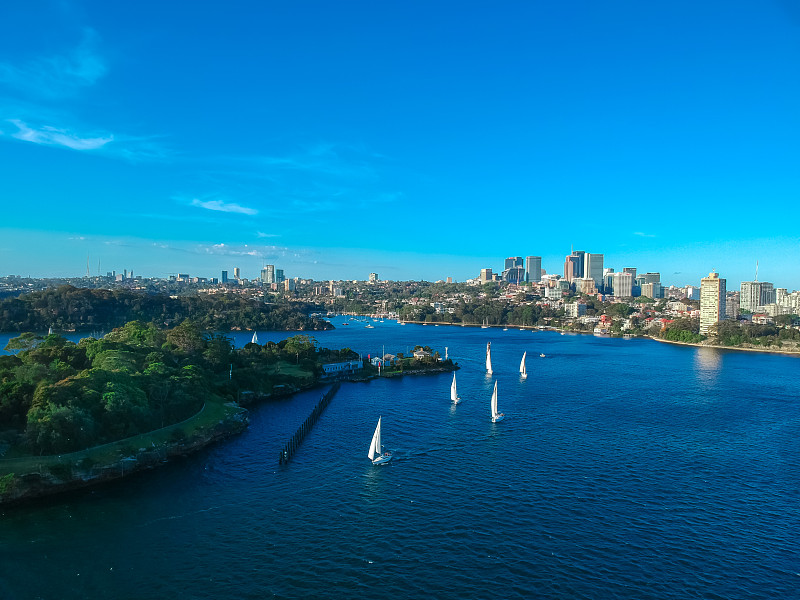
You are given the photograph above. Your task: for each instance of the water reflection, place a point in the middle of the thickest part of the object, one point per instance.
(707, 365)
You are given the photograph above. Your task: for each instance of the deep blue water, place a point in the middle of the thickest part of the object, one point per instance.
(623, 469)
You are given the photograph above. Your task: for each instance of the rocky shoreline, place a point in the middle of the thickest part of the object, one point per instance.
(56, 478)
(785, 352)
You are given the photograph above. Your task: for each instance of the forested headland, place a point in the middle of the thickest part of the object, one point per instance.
(57, 396)
(67, 308)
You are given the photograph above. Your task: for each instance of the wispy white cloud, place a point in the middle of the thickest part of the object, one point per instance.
(228, 207)
(261, 234)
(266, 252)
(57, 76)
(52, 136)
(327, 160)
(642, 234)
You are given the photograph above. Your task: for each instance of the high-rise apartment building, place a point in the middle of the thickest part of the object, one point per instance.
(594, 269)
(373, 277)
(486, 276)
(754, 294)
(631, 270)
(224, 277)
(279, 276)
(533, 269)
(712, 302)
(236, 273)
(268, 274)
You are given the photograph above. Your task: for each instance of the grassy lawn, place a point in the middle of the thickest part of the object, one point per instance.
(213, 412)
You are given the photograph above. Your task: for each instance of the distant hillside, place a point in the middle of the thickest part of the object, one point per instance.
(68, 308)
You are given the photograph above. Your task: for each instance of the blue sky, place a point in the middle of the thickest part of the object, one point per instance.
(417, 139)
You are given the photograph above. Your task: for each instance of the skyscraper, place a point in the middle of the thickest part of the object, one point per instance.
(236, 273)
(594, 269)
(712, 302)
(572, 268)
(268, 274)
(533, 268)
(513, 261)
(224, 278)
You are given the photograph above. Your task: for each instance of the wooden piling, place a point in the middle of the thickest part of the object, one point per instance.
(294, 442)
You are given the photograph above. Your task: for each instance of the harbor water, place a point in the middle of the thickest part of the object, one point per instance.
(622, 469)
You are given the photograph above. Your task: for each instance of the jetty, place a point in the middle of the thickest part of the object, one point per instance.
(294, 442)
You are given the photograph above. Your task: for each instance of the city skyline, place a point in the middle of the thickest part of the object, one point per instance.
(365, 139)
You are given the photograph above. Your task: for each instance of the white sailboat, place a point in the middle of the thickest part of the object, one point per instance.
(496, 416)
(255, 338)
(488, 358)
(376, 454)
(453, 392)
(485, 324)
(523, 372)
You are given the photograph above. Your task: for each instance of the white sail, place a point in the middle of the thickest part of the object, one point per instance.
(375, 446)
(255, 338)
(489, 357)
(494, 402)
(523, 371)
(453, 392)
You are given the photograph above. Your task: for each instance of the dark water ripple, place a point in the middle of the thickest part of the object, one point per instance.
(624, 469)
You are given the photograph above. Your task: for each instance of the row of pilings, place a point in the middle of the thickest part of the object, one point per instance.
(294, 442)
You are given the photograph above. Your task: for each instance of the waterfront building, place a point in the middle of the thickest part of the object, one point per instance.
(533, 269)
(712, 302)
(594, 269)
